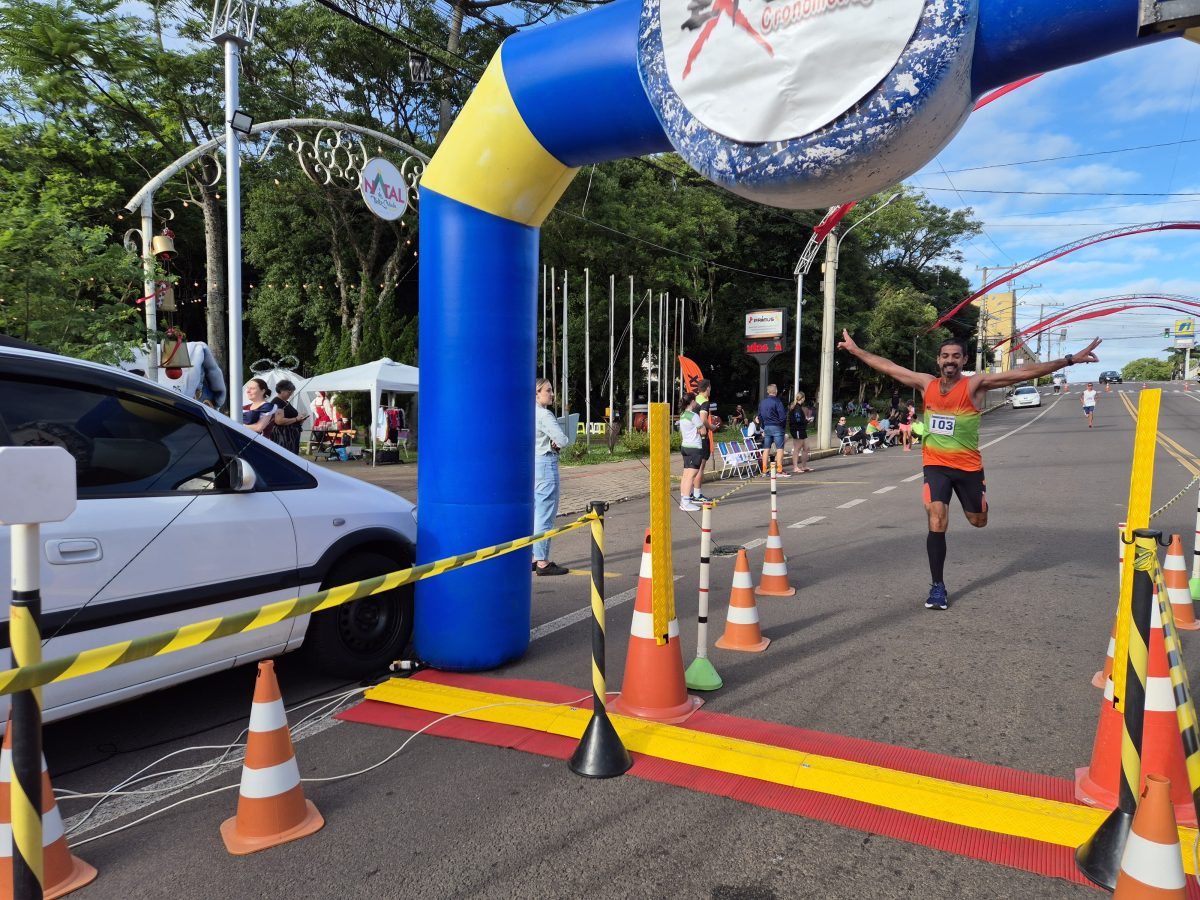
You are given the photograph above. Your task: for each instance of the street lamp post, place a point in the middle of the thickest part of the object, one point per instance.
(828, 338)
(233, 25)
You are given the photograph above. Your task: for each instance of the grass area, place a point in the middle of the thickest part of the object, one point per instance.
(631, 445)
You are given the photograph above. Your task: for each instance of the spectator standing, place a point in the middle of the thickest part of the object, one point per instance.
(258, 413)
(703, 392)
(549, 439)
(288, 420)
(774, 419)
(798, 428)
(693, 437)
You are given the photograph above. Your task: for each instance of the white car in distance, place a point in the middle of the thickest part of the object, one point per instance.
(1026, 396)
(184, 516)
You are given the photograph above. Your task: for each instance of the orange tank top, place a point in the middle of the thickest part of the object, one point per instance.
(951, 428)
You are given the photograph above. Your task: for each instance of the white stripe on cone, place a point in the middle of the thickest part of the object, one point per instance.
(774, 568)
(271, 781)
(643, 626)
(1156, 865)
(774, 542)
(743, 580)
(6, 766)
(1160, 696)
(267, 716)
(52, 830)
(742, 615)
(647, 570)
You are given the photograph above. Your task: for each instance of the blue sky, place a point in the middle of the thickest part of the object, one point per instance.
(1150, 95)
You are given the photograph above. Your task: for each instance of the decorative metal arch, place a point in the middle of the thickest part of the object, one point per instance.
(332, 154)
(1065, 249)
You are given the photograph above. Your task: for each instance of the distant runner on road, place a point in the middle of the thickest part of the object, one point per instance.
(1089, 403)
(950, 447)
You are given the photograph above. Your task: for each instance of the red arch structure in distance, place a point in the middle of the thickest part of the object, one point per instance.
(1104, 306)
(1064, 250)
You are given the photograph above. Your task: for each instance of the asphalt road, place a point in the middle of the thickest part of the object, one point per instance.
(1001, 677)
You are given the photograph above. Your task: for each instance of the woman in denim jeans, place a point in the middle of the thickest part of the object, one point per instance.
(549, 439)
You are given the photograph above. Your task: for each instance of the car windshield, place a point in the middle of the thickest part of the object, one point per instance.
(1026, 390)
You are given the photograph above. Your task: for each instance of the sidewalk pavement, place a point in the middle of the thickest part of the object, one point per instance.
(579, 485)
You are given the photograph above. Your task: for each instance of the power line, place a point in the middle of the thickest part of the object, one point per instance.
(1068, 193)
(1045, 159)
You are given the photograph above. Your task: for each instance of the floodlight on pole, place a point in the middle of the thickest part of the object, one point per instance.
(232, 28)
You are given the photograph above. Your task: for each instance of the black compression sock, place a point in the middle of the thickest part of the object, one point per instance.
(935, 546)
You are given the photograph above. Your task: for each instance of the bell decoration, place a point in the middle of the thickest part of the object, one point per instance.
(163, 245)
(166, 296)
(174, 356)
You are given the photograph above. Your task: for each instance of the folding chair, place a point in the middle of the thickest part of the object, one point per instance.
(847, 443)
(402, 440)
(731, 459)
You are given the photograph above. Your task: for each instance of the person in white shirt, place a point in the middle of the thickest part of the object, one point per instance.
(1089, 403)
(693, 434)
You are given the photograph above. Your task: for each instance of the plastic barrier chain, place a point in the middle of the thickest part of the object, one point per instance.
(88, 662)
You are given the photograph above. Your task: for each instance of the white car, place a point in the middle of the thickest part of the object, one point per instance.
(184, 516)
(1026, 396)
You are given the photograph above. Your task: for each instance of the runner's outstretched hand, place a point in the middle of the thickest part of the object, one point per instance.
(847, 342)
(1086, 355)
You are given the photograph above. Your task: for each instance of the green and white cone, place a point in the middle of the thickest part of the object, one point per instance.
(701, 676)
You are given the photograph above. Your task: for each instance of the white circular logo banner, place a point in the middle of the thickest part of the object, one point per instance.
(772, 70)
(383, 189)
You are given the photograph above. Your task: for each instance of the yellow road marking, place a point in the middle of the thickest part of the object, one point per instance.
(587, 573)
(998, 812)
(1177, 451)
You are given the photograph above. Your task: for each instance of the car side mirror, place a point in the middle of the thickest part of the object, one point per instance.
(242, 477)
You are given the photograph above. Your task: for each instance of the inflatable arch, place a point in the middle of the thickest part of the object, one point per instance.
(796, 103)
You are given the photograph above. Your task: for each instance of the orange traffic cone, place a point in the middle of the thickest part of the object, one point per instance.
(62, 872)
(1108, 387)
(654, 686)
(271, 806)
(1099, 679)
(741, 621)
(1175, 575)
(774, 572)
(1162, 747)
(1152, 862)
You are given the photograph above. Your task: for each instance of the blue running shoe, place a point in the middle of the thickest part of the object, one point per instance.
(938, 598)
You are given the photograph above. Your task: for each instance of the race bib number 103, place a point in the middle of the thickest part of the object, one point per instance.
(943, 425)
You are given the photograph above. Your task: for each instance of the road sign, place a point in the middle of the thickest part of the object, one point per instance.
(1185, 332)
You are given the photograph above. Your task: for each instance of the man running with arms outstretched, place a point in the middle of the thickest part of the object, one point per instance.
(950, 447)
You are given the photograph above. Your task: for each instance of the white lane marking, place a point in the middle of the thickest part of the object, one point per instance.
(1022, 427)
(757, 542)
(811, 520)
(884, 490)
(581, 614)
(915, 477)
(850, 503)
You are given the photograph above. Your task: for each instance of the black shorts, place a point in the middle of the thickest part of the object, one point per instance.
(693, 458)
(969, 487)
(706, 450)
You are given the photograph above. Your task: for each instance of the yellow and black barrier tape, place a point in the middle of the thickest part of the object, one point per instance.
(88, 662)
(1185, 709)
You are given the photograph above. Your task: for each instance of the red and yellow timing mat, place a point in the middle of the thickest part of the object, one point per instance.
(981, 811)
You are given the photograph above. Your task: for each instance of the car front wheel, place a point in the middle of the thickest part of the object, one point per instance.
(360, 638)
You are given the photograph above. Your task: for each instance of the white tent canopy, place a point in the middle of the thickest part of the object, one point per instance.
(376, 378)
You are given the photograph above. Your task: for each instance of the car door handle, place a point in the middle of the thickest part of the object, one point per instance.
(73, 550)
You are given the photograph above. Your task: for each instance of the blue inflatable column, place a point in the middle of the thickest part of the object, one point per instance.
(549, 101)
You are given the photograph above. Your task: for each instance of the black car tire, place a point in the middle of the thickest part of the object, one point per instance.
(360, 638)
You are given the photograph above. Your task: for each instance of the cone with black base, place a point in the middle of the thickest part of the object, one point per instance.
(1099, 858)
(600, 753)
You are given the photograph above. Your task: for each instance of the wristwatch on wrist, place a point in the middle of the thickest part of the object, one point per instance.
(1070, 359)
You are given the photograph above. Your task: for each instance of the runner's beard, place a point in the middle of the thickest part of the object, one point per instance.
(949, 370)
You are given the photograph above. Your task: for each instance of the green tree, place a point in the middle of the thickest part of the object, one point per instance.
(1147, 369)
